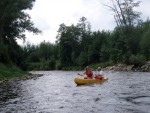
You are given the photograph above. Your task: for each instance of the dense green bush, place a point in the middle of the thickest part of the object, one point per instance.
(82, 60)
(10, 71)
(145, 44)
(58, 65)
(137, 60)
(4, 56)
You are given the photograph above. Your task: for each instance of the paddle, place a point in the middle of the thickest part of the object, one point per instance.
(80, 74)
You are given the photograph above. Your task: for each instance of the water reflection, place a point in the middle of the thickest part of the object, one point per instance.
(56, 92)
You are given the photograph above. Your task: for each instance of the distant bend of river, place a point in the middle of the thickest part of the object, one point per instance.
(56, 92)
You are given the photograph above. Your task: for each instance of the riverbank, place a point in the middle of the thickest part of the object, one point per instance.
(10, 73)
(124, 67)
(24, 77)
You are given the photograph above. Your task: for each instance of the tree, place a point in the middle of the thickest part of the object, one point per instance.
(14, 21)
(85, 33)
(72, 40)
(126, 19)
(100, 39)
(145, 44)
(68, 43)
(124, 13)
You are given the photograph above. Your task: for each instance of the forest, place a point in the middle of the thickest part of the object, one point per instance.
(76, 45)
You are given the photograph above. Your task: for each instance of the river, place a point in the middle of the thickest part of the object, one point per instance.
(56, 92)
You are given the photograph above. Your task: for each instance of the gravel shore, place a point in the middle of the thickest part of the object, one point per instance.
(25, 77)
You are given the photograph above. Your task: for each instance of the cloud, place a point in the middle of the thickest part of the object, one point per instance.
(49, 14)
(144, 9)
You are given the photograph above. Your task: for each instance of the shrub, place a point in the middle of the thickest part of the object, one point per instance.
(4, 57)
(58, 65)
(137, 60)
(145, 44)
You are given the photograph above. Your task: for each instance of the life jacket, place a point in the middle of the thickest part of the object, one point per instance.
(89, 73)
(98, 77)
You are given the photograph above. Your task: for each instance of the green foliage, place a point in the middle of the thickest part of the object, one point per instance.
(58, 65)
(33, 57)
(93, 54)
(45, 50)
(105, 53)
(75, 49)
(4, 57)
(71, 40)
(78, 47)
(137, 60)
(34, 66)
(42, 57)
(43, 65)
(14, 22)
(127, 33)
(82, 60)
(102, 64)
(99, 45)
(145, 44)
(73, 68)
(10, 71)
(116, 55)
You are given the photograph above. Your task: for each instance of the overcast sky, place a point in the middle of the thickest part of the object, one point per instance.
(47, 15)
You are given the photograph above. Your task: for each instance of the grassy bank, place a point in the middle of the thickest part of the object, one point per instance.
(10, 71)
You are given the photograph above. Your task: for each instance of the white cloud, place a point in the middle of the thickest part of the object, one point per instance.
(49, 14)
(144, 9)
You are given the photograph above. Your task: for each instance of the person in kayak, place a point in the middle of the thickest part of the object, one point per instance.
(88, 73)
(100, 74)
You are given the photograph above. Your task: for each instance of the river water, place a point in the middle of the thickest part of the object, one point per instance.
(56, 92)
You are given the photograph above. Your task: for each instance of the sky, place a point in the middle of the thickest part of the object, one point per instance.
(47, 15)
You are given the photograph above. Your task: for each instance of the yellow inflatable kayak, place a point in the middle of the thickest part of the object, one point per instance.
(81, 81)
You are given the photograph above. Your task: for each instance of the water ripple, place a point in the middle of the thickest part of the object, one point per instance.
(56, 92)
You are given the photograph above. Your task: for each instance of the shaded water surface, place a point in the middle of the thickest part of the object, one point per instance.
(56, 92)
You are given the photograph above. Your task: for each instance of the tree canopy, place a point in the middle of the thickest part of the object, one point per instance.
(14, 21)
